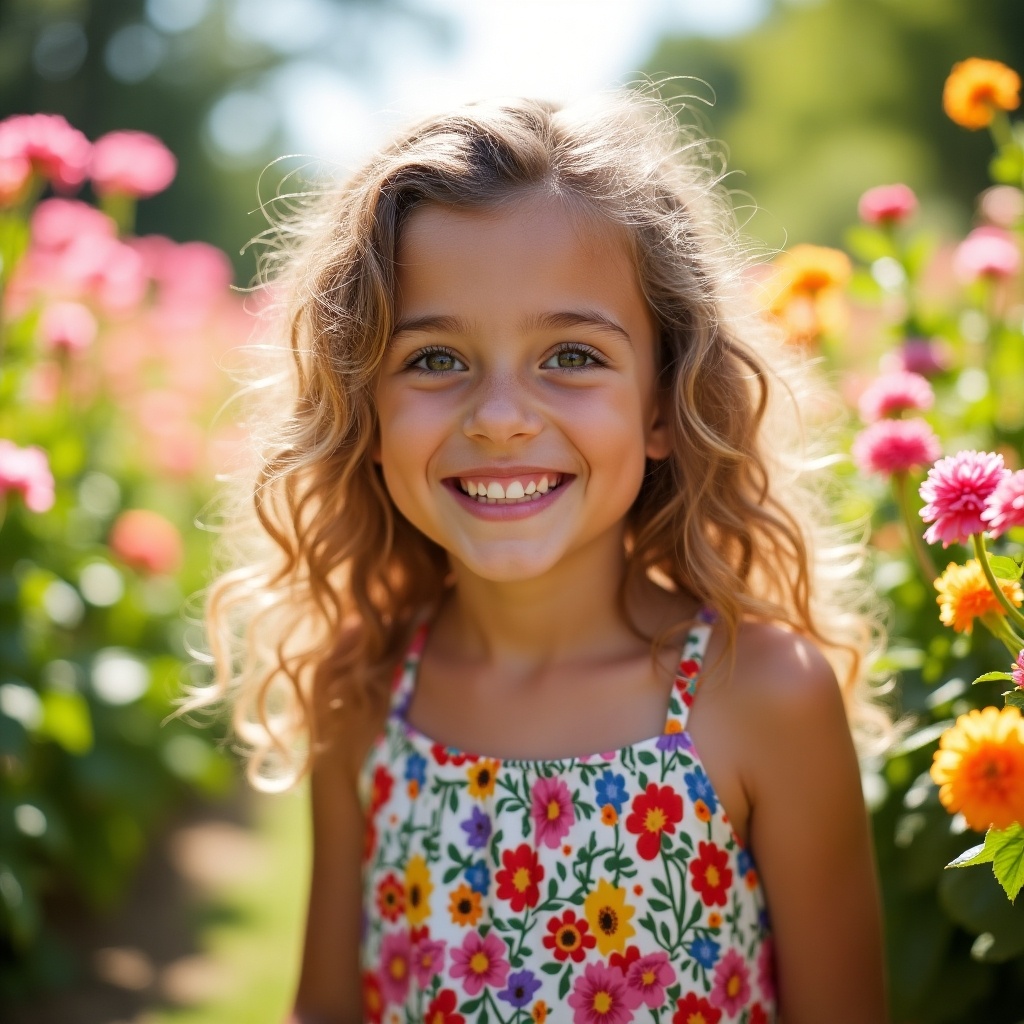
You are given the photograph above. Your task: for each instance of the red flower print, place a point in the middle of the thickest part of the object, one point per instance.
(569, 937)
(373, 1001)
(711, 874)
(689, 668)
(766, 969)
(758, 1015)
(623, 960)
(441, 1009)
(693, 1009)
(657, 810)
(382, 783)
(391, 897)
(369, 841)
(442, 755)
(518, 879)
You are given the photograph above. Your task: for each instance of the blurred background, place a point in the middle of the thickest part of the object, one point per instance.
(139, 879)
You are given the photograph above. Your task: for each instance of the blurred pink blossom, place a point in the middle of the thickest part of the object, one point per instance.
(887, 204)
(895, 446)
(1018, 671)
(26, 471)
(895, 393)
(67, 326)
(147, 541)
(924, 356)
(15, 172)
(986, 252)
(1002, 205)
(956, 492)
(131, 163)
(51, 146)
(191, 277)
(1005, 507)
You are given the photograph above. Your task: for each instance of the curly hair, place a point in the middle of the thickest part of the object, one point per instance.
(735, 516)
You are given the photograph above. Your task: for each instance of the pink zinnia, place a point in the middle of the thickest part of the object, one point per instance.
(67, 327)
(395, 966)
(600, 996)
(51, 146)
(887, 204)
(26, 471)
(986, 252)
(731, 989)
(1018, 671)
(131, 163)
(552, 811)
(480, 962)
(956, 492)
(895, 446)
(894, 393)
(647, 979)
(1005, 504)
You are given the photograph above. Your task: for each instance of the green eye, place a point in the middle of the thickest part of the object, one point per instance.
(572, 359)
(439, 361)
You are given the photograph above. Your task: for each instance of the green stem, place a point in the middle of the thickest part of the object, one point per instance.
(1012, 612)
(1003, 631)
(913, 528)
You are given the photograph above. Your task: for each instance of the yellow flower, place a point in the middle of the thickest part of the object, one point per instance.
(979, 767)
(418, 888)
(608, 916)
(714, 919)
(465, 906)
(964, 595)
(806, 289)
(539, 1013)
(976, 89)
(481, 778)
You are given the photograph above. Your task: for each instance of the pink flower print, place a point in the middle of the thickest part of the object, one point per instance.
(1005, 506)
(895, 393)
(427, 959)
(131, 163)
(552, 811)
(480, 961)
(957, 490)
(600, 996)
(731, 989)
(895, 446)
(986, 252)
(395, 966)
(766, 969)
(26, 471)
(887, 204)
(647, 979)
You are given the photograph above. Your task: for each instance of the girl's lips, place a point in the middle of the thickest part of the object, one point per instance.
(513, 510)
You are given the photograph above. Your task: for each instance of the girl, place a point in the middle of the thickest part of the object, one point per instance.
(546, 610)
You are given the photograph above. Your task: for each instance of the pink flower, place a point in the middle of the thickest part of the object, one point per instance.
(766, 969)
(731, 989)
(15, 173)
(1005, 507)
(600, 996)
(887, 204)
(1018, 671)
(986, 252)
(26, 471)
(146, 541)
(895, 446)
(894, 393)
(131, 163)
(67, 327)
(428, 959)
(58, 222)
(50, 145)
(552, 811)
(647, 979)
(956, 492)
(480, 962)
(395, 966)
(926, 356)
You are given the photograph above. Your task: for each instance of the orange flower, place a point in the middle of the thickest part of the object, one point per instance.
(980, 768)
(806, 291)
(539, 1013)
(976, 89)
(964, 595)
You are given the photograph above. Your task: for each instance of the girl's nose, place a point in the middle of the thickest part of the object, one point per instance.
(501, 409)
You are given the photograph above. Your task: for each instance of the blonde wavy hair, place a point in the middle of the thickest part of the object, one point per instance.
(322, 578)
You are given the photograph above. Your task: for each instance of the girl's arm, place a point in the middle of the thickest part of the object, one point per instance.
(809, 835)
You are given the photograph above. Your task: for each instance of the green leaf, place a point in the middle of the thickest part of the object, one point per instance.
(989, 677)
(563, 985)
(975, 855)
(1005, 568)
(1008, 858)
(549, 969)
(1014, 699)
(646, 757)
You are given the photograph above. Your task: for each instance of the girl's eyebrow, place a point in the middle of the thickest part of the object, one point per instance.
(565, 318)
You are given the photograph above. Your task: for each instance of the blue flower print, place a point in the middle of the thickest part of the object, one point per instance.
(705, 951)
(698, 785)
(478, 877)
(611, 789)
(477, 828)
(522, 985)
(744, 862)
(416, 769)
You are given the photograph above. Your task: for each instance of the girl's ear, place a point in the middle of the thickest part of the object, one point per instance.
(658, 442)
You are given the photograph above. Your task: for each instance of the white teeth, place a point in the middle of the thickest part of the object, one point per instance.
(542, 485)
(495, 490)
(481, 489)
(515, 490)
(470, 488)
(530, 487)
(514, 493)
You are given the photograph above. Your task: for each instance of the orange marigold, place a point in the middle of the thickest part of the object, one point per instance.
(805, 291)
(979, 768)
(964, 595)
(976, 88)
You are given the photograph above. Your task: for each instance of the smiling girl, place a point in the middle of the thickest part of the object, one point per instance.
(548, 612)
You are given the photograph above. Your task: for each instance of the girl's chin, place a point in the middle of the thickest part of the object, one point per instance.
(508, 567)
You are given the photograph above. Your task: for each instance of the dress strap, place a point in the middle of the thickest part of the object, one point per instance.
(404, 680)
(688, 673)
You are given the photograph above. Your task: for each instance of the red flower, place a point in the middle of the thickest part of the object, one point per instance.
(382, 783)
(694, 1009)
(442, 755)
(758, 1015)
(655, 811)
(570, 937)
(391, 897)
(373, 1002)
(369, 841)
(441, 1009)
(623, 960)
(517, 880)
(711, 874)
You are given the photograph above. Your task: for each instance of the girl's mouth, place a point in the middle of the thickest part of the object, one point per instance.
(512, 492)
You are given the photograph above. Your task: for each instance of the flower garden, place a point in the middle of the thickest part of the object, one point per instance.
(111, 347)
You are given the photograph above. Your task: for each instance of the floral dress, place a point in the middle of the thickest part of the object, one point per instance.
(601, 889)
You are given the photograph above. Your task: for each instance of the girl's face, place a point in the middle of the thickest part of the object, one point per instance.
(517, 399)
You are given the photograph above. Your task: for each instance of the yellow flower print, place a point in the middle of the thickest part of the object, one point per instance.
(608, 915)
(418, 888)
(481, 778)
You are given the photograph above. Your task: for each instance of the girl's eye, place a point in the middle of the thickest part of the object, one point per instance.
(436, 360)
(573, 357)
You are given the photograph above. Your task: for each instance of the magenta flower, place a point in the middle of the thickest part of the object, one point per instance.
(895, 446)
(49, 145)
(895, 393)
(480, 962)
(395, 966)
(131, 163)
(1018, 671)
(15, 173)
(1005, 506)
(731, 989)
(551, 810)
(766, 969)
(956, 492)
(600, 996)
(986, 252)
(428, 959)
(67, 327)
(647, 979)
(887, 204)
(26, 471)
(926, 356)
